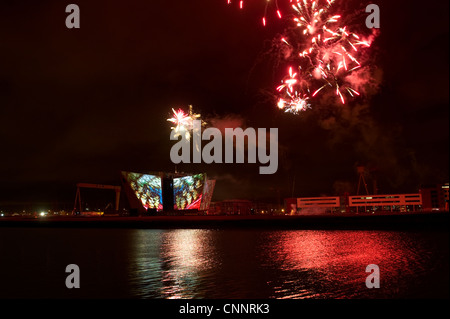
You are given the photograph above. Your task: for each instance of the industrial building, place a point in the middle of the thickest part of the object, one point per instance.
(354, 204)
(231, 207)
(435, 197)
(243, 207)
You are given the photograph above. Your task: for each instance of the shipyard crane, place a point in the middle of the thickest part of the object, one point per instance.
(97, 186)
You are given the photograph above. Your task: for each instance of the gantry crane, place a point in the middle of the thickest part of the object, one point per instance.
(97, 186)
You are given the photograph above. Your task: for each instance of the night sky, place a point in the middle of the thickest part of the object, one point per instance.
(80, 105)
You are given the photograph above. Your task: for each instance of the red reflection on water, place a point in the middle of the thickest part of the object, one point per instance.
(323, 264)
(287, 264)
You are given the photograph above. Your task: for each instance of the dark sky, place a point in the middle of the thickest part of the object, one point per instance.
(81, 105)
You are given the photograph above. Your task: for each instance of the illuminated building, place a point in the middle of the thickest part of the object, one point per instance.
(173, 193)
(358, 203)
(389, 202)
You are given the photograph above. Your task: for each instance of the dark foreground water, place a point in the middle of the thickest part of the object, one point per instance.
(208, 263)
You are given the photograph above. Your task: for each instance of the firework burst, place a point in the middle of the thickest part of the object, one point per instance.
(291, 99)
(325, 50)
(184, 122)
(294, 103)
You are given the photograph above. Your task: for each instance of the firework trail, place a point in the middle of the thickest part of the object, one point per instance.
(184, 122)
(268, 2)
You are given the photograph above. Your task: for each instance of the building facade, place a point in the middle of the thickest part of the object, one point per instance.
(435, 197)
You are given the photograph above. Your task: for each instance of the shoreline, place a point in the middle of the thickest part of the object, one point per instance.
(394, 221)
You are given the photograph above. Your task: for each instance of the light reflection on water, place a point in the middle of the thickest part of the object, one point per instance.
(239, 263)
(194, 263)
(172, 264)
(331, 264)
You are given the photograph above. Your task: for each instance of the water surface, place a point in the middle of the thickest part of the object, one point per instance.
(210, 263)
